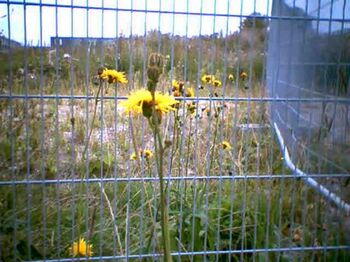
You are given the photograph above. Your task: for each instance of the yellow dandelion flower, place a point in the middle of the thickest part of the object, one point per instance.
(217, 83)
(178, 86)
(230, 77)
(175, 85)
(81, 248)
(146, 153)
(133, 156)
(243, 75)
(113, 76)
(176, 93)
(141, 101)
(207, 111)
(208, 79)
(226, 145)
(191, 107)
(181, 86)
(189, 92)
(100, 70)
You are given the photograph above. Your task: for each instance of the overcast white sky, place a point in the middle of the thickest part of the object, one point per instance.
(109, 23)
(78, 22)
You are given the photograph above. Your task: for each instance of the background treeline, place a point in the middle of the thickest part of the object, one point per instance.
(186, 57)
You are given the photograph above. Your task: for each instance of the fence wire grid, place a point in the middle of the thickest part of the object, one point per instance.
(254, 155)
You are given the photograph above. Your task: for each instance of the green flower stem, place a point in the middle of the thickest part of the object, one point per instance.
(93, 119)
(215, 137)
(163, 204)
(175, 142)
(134, 144)
(149, 169)
(92, 224)
(188, 147)
(90, 233)
(188, 155)
(153, 225)
(154, 69)
(80, 191)
(212, 149)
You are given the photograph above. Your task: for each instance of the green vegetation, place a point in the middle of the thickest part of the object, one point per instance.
(221, 209)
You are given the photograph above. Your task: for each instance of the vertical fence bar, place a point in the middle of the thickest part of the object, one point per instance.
(196, 144)
(12, 135)
(86, 174)
(244, 147)
(101, 140)
(116, 237)
(75, 195)
(43, 152)
(57, 141)
(27, 139)
(217, 217)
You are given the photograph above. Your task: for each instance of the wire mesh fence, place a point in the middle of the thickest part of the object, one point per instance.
(240, 154)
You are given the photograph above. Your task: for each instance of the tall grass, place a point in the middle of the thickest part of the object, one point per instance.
(215, 206)
(206, 214)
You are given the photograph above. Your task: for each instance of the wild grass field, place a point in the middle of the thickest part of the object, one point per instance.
(213, 205)
(69, 170)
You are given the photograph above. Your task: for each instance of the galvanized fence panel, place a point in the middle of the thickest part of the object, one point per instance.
(255, 164)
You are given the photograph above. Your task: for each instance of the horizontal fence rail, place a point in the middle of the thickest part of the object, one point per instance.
(246, 160)
(193, 99)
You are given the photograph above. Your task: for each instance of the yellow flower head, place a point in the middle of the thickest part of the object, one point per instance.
(113, 76)
(141, 101)
(175, 85)
(178, 85)
(208, 79)
(189, 92)
(176, 93)
(207, 111)
(217, 83)
(100, 70)
(133, 156)
(81, 248)
(191, 107)
(230, 77)
(243, 75)
(226, 145)
(146, 153)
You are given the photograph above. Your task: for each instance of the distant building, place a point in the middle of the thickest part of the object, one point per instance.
(5, 43)
(67, 42)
